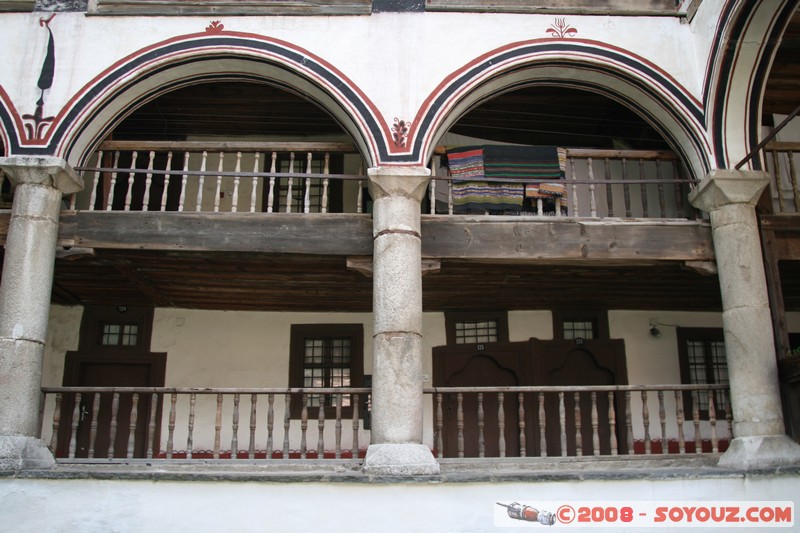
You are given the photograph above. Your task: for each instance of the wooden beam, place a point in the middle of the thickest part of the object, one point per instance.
(512, 239)
(130, 272)
(338, 234)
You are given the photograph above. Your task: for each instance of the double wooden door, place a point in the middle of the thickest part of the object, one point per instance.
(536, 362)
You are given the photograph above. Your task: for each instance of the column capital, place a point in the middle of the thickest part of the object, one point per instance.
(725, 187)
(42, 170)
(409, 182)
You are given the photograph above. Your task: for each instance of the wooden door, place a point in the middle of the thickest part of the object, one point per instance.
(567, 363)
(498, 365)
(93, 370)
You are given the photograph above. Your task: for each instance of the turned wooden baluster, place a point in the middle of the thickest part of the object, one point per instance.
(501, 425)
(56, 423)
(643, 189)
(646, 423)
(575, 210)
(151, 425)
(76, 418)
(680, 419)
(612, 424)
(132, 427)
(131, 175)
(201, 182)
(167, 178)
(307, 186)
(609, 187)
(481, 436)
(338, 451)
(712, 421)
(595, 426)
(270, 423)
(562, 423)
(190, 435)
(325, 182)
(439, 425)
(171, 425)
(235, 428)
(628, 422)
(93, 424)
(626, 189)
(522, 441)
(184, 180)
(218, 426)
(662, 417)
(542, 426)
(304, 425)
(235, 197)
(289, 184)
(355, 425)
(95, 181)
(148, 181)
(218, 190)
(592, 198)
(576, 398)
(321, 427)
(251, 449)
(287, 420)
(661, 201)
(271, 194)
(254, 183)
(460, 423)
(698, 441)
(112, 183)
(112, 437)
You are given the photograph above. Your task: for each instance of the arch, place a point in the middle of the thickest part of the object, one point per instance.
(737, 75)
(580, 64)
(184, 60)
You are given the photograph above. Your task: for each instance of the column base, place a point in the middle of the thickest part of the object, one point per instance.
(18, 452)
(400, 460)
(24, 453)
(753, 453)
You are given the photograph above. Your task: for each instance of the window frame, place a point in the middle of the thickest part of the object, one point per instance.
(453, 317)
(704, 335)
(598, 318)
(96, 317)
(299, 334)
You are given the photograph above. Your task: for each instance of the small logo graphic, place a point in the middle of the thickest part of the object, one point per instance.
(400, 131)
(529, 514)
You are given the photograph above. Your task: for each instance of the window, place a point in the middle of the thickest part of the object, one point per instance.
(116, 329)
(702, 359)
(302, 188)
(586, 325)
(326, 356)
(476, 327)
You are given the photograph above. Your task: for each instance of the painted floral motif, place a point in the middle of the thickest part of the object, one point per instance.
(400, 131)
(215, 27)
(561, 30)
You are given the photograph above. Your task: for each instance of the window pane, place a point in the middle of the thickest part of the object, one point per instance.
(578, 329)
(130, 333)
(111, 334)
(475, 332)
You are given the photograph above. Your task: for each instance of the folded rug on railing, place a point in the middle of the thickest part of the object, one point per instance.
(545, 190)
(465, 162)
(516, 162)
(480, 196)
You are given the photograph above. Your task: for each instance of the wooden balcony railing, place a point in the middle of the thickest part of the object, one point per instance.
(783, 159)
(272, 177)
(600, 184)
(118, 424)
(580, 420)
(122, 423)
(221, 177)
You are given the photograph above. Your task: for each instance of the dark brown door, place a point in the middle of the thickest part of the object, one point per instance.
(496, 365)
(113, 419)
(567, 363)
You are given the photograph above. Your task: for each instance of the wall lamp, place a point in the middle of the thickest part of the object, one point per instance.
(654, 331)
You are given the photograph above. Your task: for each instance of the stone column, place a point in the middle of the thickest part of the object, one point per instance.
(759, 439)
(25, 302)
(397, 402)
